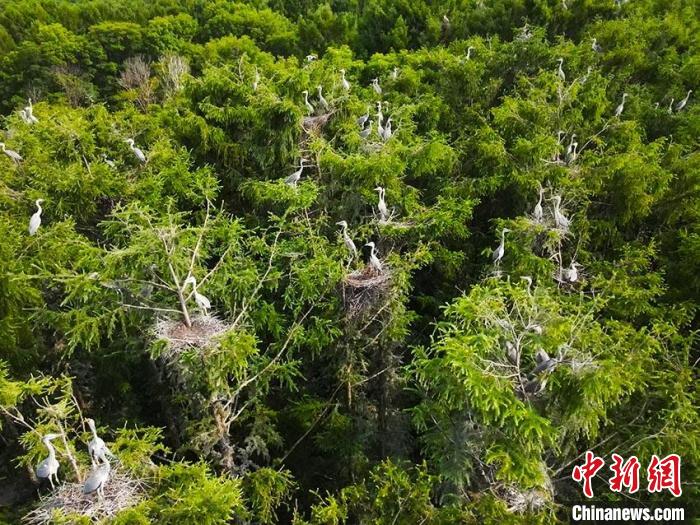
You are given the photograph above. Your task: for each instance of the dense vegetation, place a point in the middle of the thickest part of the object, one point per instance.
(318, 389)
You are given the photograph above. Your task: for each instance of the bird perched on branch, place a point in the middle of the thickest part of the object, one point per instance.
(137, 151)
(683, 102)
(381, 204)
(201, 300)
(294, 177)
(35, 220)
(343, 81)
(10, 153)
(500, 250)
(350, 245)
(621, 107)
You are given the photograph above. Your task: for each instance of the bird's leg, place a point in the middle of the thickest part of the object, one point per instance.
(51, 481)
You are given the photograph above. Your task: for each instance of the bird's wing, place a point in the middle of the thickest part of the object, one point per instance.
(43, 469)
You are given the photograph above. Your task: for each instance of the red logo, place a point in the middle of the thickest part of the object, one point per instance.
(586, 471)
(626, 474)
(665, 474)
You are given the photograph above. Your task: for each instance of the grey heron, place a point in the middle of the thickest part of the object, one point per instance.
(294, 177)
(23, 115)
(10, 153)
(571, 144)
(108, 161)
(367, 131)
(560, 220)
(528, 281)
(500, 250)
(571, 273)
(381, 204)
(309, 107)
(469, 52)
(35, 220)
(48, 468)
(545, 363)
(670, 106)
(621, 107)
(573, 154)
(560, 70)
(344, 81)
(256, 81)
(363, 119)
(374, 261)
(321, 98)
(683, 102)
(96, 446)
(137, 151)
(29, 111)
(584, 78)
(395, 73)
(386, 135)
(511, 352)
(375, 85)
(595, 46)
(201, 300)
(538, 212)
(98, 477)
(349, 244)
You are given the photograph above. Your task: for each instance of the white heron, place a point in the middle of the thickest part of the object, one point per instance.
(560, 70)
(683, 102)
(469, 52)
(375, 85)
(35, 220)
(395, 73)
(528, 281)
(387, 130)
(311, 58)
(294, 177)
(10, 153)
(96, 446)
(670, 106)
(571, 273)
(367, 131)
(350, 245)
(374, 261)
(500, 250)
(381, 204)
(256, 82)
(23, 115)
(98, 478)
(309, 107)
(344, 81)
(560, 220)
(573, 154)
(621, 107)
(29, 111)
(538, 212)
(380, 128)
(137, 151)
(570, 148)
(201, 300)
(595, 46)
(363, 119)
(48, 468)
(321, 98)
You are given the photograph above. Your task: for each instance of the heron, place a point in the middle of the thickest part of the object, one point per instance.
(366, 132)
(137, 151)
(528, 281)
(619, 109)
(363, 119)
(201, 300)
(656, 105)
(395, 73)
(294, 177)
(595, 46)
(311, 58)
(347, 239)
(309, 107)
(35, 220)
(344, 81)
(375, 85)
(511, 352)
(545, 364)
(535, 386)
(573, 154)
(571, 144)
(469, 52)
(560, 220)
(380, 128)
(683, 102)
(584, 78)
(23, 115)
(48, 468)
(381, 205)
(98, 478)
(560, 70)
(534, 328)
(500, 250)
(670, 106)
(10, 153)
(108, 161)
(29, 111)
(256, 82)
(387, 130)
(571, 273)
(538, 212)
(96, 446)
(321, 98)
(374, 261)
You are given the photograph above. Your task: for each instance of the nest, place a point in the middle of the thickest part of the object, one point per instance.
(315, 124)
(203, 333)
(120, 492)
(364, 289)
(521, 501)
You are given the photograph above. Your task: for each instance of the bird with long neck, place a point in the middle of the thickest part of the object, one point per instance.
(349, 244)
(560, 220)
(560, 70)
(96, 446)
(683, 102)
(343, 81)
(321, 98)
(621, 107)
(500, 250)
(11, 153)
(137, 151)
(375, 85)
(99, 476)
(35, 220)
(48, 468)
(202, 301)
(381, 204)
(538, 212)
(294, 177)
(374, 261)
(309, 107)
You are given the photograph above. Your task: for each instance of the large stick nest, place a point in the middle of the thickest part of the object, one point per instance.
(313, 125)
(203, 333)
(120, 492)
(521, 501)
(364, 289)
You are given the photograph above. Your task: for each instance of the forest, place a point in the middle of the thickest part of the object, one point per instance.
(309, 262)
